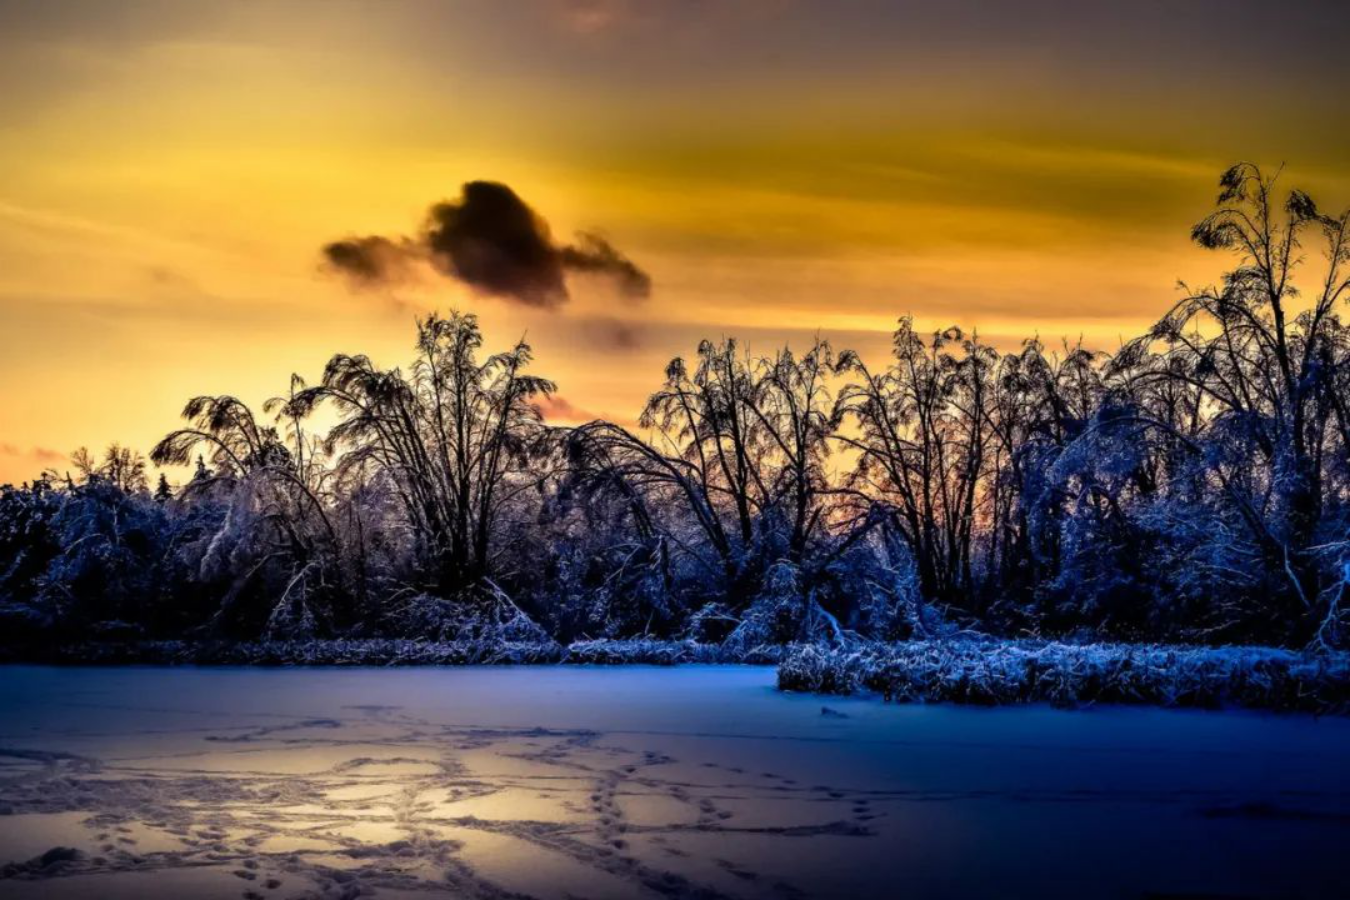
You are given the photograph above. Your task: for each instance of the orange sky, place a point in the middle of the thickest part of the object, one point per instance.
(172, 171)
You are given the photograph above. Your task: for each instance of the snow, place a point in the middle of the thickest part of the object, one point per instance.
(641, 781)
(994, 672)
(401, 652)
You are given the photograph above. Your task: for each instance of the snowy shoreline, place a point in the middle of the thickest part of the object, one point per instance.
(385, 652)
(964, 671)
(997, 673)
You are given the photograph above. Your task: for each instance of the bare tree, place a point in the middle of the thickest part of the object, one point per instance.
(922, 447)
(455, 438)
(1249, 376)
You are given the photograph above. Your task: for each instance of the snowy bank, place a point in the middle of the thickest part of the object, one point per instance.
(1003, 672)
(666, 653)
(386, 652)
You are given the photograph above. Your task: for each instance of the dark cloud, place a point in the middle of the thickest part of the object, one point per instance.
(491, 240)
(373, 261)
(592, 253)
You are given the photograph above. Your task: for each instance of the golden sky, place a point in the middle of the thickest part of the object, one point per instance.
(779, 167)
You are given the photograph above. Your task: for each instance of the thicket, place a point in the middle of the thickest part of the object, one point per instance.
(1189, 487)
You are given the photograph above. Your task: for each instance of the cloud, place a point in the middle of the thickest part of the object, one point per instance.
(587, 17)
(492, 241)
(41, 454)
(555, 407)
(373, 261)
(613, 334)
(592, 253)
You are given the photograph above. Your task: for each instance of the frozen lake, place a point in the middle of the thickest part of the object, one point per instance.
(557, 782)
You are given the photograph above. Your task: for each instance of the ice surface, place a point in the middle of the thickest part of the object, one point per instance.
(558, 782)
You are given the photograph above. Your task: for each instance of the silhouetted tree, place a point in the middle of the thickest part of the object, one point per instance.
(1192, 486)
(453, 439)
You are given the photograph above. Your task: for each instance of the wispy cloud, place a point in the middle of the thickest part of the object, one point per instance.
(37, 454)
(557, 408)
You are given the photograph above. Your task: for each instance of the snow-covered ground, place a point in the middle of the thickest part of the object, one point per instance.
(641, 782)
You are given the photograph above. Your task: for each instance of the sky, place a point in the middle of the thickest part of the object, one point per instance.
(774, 169)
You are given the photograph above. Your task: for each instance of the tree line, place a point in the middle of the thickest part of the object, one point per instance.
(1190, 486)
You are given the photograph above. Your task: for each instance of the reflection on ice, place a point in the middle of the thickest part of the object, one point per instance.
(628, 783)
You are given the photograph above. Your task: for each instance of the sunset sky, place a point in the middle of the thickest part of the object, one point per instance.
(173, 170)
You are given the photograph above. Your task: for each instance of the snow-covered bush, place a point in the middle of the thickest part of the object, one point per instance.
(661, 653)
(484, 617)
(1000, 672)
